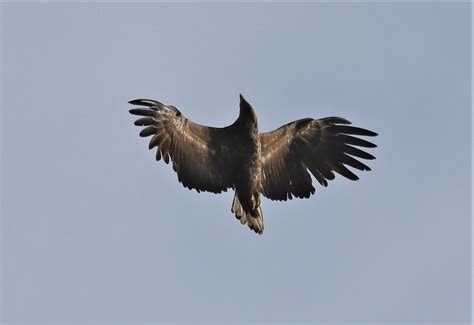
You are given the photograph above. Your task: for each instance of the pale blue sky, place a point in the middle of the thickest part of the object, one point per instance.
(94, 230)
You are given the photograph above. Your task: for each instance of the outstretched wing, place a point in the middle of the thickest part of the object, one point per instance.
(195, 150)
(321, 147)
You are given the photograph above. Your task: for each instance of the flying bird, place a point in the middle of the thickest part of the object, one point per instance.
(276, 164)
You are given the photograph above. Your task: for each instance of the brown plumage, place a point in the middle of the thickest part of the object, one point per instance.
(277, 164)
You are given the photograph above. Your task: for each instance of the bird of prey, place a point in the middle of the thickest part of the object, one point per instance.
(276, 164)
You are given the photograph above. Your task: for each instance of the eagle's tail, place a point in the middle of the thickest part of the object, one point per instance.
(253, 219)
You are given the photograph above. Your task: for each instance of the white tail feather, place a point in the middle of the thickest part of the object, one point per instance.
(255, 221)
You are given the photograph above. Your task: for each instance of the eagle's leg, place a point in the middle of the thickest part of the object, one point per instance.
(255, 201)
(254, 218)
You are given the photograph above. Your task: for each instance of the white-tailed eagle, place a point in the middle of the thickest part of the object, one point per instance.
(276, 164)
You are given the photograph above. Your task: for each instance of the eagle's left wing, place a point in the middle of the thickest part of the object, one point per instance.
(198, 152)
(321, 147)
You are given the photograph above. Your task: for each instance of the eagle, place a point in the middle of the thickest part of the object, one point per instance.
(276, 164)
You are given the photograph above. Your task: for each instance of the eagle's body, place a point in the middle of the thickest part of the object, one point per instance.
(274, 164)
(248, 159)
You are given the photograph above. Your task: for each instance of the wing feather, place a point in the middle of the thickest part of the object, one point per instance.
(192, 148)
(297, 150)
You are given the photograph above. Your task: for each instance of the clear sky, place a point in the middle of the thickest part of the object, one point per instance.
(94, 230)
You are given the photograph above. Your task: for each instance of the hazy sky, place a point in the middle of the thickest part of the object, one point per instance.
(94, 230)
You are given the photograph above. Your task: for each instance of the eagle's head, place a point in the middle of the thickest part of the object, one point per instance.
(247, 113)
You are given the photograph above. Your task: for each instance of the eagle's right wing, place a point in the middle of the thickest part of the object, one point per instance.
(321, 147)
(198, 152)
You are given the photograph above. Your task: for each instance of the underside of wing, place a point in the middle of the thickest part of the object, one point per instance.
(320, 147)
(195, 150)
